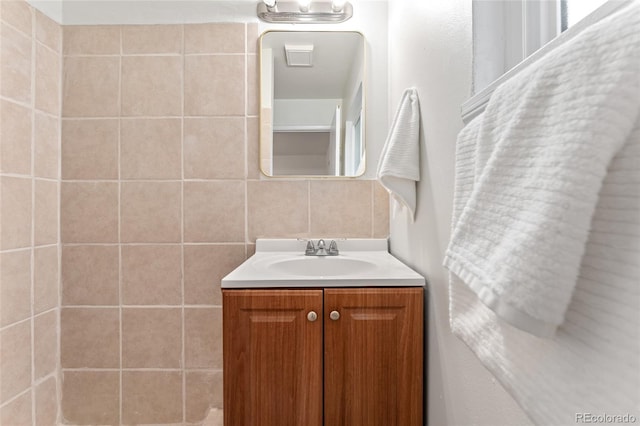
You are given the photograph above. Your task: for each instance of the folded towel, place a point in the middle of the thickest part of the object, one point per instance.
(399, 168)
(542, 149)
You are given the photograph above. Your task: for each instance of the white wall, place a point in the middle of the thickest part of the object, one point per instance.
(430, 48)
(296, 113)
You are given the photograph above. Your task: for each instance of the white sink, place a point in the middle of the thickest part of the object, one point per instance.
(327, 266)
(283, 264)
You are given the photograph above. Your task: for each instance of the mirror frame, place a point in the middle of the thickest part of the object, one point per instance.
(261, 127)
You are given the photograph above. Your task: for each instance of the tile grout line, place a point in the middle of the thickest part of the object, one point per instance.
(25, 176)
(14, 28)
(125, 55)
(15, 324)
(71, 307)
(120, 280)
(27, 105)
(182, 231)
(149, 180)
(60, 41)
(16, 397)
(29, 390)
(33, 215)
(138, 369)
(246, 144)
(48, 311)
(135, 244)
(136, 117)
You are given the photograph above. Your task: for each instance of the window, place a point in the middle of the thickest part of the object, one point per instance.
(576, 10)
(509, 34)
(505, 32)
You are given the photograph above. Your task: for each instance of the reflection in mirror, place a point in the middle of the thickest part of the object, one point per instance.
(312, 103)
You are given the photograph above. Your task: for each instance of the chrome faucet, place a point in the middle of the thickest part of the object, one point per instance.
(319, 249)
(333, 248)
(311, 249)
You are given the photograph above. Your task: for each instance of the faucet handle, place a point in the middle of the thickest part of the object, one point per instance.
(333, 248)
(311, 249)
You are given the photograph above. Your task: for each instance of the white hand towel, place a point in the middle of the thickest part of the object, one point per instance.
(399, 166)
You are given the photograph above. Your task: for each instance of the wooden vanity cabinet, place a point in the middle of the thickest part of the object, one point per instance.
(358, 363)
(272, 357)
(373, 357)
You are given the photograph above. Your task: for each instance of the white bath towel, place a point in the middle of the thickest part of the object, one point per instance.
(399, 166)
(585, 202)
(542, 152)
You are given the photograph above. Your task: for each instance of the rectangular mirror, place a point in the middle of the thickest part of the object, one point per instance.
(312, 103)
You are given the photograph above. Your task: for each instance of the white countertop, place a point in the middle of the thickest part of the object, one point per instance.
(283, 264)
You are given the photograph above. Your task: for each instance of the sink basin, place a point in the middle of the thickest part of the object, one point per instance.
(281, 263)
(324, 266)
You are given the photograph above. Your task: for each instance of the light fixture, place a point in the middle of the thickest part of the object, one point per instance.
(304, 11)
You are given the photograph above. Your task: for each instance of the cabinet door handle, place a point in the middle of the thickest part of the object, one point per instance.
(312, 316)
(334, 315)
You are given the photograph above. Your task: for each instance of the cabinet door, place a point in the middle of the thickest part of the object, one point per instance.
(373, 357)
(272, 358)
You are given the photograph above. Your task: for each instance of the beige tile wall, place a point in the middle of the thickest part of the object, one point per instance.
(30, 87)
(161, 197)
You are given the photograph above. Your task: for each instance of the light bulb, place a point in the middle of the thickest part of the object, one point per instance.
(338, 5)
(304, 5)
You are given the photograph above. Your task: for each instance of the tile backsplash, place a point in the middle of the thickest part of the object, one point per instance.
(161, 197)
(30, 82)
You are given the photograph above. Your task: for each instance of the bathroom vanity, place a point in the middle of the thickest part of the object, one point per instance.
(323, 340)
